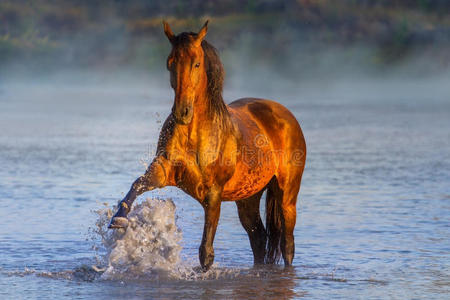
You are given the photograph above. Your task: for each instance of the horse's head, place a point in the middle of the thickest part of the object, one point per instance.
(188, 77)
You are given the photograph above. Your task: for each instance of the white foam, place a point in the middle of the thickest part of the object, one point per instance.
(150, 248)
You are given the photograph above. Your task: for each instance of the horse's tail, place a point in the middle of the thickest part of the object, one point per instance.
(273, 222)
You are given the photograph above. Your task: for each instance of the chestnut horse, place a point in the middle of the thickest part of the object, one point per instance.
(217, 152)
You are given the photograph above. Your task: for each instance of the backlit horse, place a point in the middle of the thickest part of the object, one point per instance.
(217, 152)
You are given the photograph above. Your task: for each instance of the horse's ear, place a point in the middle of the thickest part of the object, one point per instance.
(201, 34)
(168, 32)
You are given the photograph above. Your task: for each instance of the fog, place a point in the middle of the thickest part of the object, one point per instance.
(326, 75)
(294, 51)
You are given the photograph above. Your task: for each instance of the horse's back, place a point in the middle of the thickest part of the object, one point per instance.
(274, 119)
(270, 138)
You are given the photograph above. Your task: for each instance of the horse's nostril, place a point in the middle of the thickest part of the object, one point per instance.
(186, 111)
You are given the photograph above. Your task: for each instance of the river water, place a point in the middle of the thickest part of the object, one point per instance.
(374, 206)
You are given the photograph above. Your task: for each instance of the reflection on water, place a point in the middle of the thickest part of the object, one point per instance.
(230, 283)
(374, 208)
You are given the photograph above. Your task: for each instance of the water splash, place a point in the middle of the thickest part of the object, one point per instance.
(150, 248)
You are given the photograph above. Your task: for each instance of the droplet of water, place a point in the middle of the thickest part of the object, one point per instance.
(149, 248)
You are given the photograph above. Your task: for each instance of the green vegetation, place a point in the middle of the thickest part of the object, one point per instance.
(48, 34)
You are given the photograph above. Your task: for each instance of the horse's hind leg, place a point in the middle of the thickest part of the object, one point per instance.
(281, 216)
(248, 210)
(290, 187)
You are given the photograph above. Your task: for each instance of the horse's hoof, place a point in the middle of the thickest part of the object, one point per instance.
(118, 222)
(200, 269)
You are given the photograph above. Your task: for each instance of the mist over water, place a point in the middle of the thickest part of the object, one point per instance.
(373, 207)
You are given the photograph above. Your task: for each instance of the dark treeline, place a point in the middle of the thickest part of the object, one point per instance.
(196, 8)
(46, 34)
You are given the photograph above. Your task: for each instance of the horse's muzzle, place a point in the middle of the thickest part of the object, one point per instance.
(183, 114)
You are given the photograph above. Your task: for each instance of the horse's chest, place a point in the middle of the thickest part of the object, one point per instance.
(217, 160)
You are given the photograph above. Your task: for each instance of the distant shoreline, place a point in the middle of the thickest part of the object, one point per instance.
(45, 37)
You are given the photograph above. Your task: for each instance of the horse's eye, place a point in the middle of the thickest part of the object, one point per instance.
(197, 65)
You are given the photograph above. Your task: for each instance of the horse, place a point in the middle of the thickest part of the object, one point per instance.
(217, 152)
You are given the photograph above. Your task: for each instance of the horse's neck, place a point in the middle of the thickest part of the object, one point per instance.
(217, 116)
(208, 123)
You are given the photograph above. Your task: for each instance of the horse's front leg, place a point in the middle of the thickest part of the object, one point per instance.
(154, 177)
(211, 206)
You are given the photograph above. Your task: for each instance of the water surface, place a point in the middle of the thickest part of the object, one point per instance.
(374, 206)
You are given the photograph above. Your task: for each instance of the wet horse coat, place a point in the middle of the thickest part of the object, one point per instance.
(217, 152)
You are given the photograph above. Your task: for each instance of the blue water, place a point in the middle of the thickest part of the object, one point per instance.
(374, 206)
